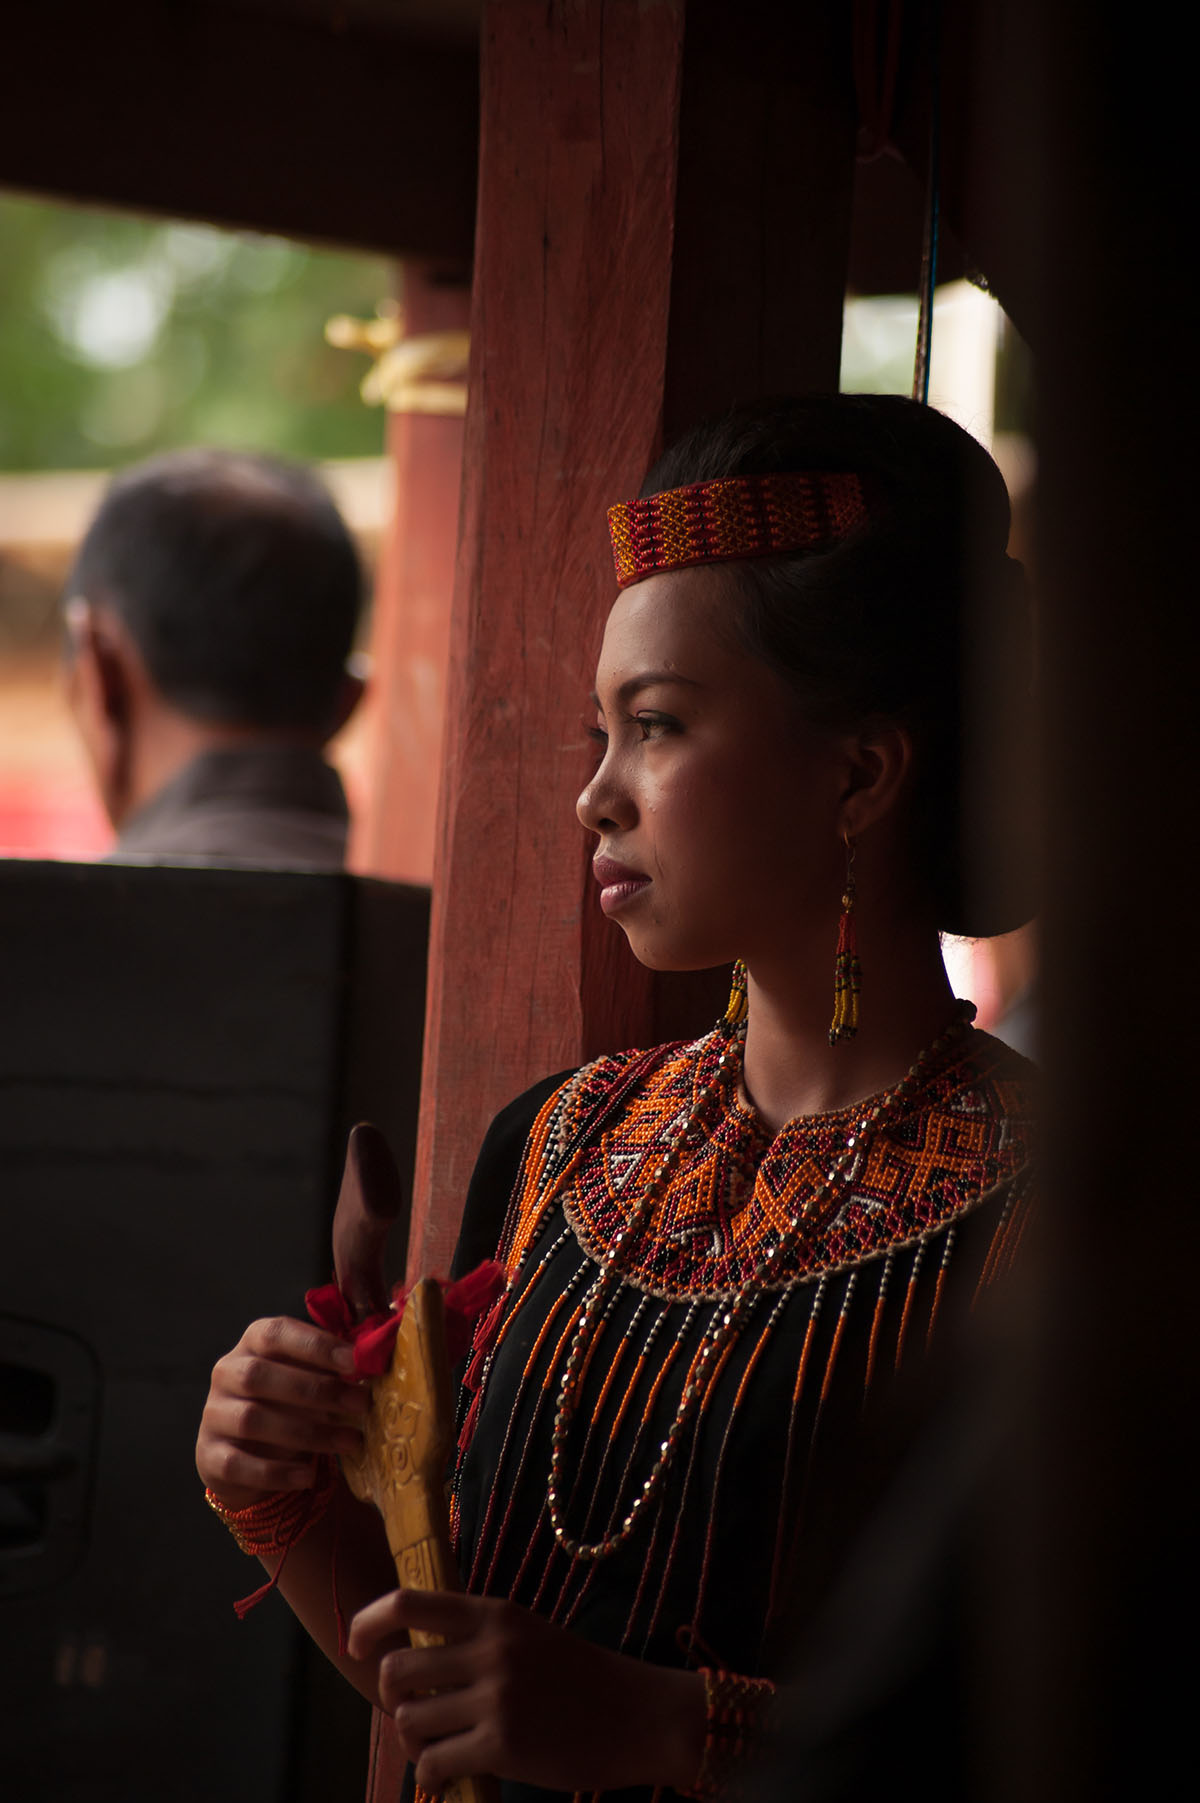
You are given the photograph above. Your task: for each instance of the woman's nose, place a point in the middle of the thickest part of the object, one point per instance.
(588, 809)
(603, 804)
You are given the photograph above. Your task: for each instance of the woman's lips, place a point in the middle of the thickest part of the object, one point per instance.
(618, 883)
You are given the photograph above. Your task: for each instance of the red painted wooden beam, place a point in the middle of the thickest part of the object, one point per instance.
(569, 336)
(601, 294)
(660, 224)
(394, 829)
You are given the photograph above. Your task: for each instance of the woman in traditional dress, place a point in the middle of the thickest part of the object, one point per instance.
(714, 1250)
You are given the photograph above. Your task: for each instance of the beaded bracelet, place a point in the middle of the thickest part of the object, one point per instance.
(271, 1527)
(735, 1710)
(276, 1522)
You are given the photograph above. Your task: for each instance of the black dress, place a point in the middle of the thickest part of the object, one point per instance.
(735, 1536)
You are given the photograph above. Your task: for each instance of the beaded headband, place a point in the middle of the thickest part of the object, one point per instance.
(735, 516)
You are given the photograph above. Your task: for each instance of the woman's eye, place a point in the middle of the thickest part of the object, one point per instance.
(648, 726)
(655, 726)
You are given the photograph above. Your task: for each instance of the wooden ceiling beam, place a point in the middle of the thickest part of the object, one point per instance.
(358, 137)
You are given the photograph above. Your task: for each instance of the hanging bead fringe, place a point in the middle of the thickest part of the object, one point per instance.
(847, 973)
(738, 1005)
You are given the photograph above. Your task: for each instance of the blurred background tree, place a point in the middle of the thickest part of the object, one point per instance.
(120, 336)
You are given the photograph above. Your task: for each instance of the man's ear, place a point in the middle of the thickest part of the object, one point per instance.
(92, 660)
(879, 761)
(351, 689)
(99, 689)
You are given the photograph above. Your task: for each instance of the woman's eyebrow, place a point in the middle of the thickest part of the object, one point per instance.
(649, 679)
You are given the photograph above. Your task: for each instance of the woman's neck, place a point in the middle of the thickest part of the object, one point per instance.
(791, 1069)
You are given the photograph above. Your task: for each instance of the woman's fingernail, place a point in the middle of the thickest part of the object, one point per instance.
(343, 1359)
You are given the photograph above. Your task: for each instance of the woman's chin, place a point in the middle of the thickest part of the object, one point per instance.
(655, 955)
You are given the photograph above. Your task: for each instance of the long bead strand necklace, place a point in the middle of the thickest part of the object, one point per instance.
(730, 1313)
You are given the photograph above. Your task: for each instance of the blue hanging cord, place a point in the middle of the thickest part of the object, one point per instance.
(929, 251)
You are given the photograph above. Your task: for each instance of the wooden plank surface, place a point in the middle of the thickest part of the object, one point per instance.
(582, 323)
(619, 270)
(765, 190)
(569, 332)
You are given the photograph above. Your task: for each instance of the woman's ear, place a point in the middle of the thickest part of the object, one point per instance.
(879, 760)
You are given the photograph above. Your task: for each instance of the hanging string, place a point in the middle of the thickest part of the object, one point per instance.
(933, 199)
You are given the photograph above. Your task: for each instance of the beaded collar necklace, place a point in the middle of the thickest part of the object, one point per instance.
(727, 1322)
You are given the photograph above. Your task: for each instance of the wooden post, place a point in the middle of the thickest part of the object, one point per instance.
(1099, 1702)
(597, 301)
(568, 346)
(617, 280)
(393, 833)
(765, 192)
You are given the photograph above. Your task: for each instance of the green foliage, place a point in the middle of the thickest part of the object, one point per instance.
(120, 336)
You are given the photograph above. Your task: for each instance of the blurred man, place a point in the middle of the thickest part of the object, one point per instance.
(209, 617)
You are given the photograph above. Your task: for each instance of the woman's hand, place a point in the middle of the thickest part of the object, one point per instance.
(524, 1700)
(285, 1394)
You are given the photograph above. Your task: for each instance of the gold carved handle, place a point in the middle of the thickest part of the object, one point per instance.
(402, 1470)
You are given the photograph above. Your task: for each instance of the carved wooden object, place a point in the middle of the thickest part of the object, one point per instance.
(408, 1435)
(410, 1426)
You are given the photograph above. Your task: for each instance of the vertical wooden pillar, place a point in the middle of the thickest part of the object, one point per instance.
(634, 191)
(763, 211)
(663, 220)
(568, 346)
(764, 196)
(1103, 1696)
(394, 831)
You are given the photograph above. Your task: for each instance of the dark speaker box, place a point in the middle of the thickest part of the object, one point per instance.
(182, 1055)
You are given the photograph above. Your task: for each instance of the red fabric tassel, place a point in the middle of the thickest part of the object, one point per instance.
(328, 1308)
(373, 1338)
(468, 1426)
(485, 1337)
(244, 1604)
(311, 1506)
(466, 1301)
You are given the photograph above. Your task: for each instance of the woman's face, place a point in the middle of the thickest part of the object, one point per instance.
(717, 809)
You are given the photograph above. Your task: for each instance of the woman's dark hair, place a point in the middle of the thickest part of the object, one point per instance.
(237, 580)
(919, 617)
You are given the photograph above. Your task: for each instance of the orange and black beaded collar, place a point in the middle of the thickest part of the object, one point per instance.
(734, 517)
(967, 1131)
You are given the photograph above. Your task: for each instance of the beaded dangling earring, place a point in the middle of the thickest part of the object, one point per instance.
(847, 972)
(738, 1004)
